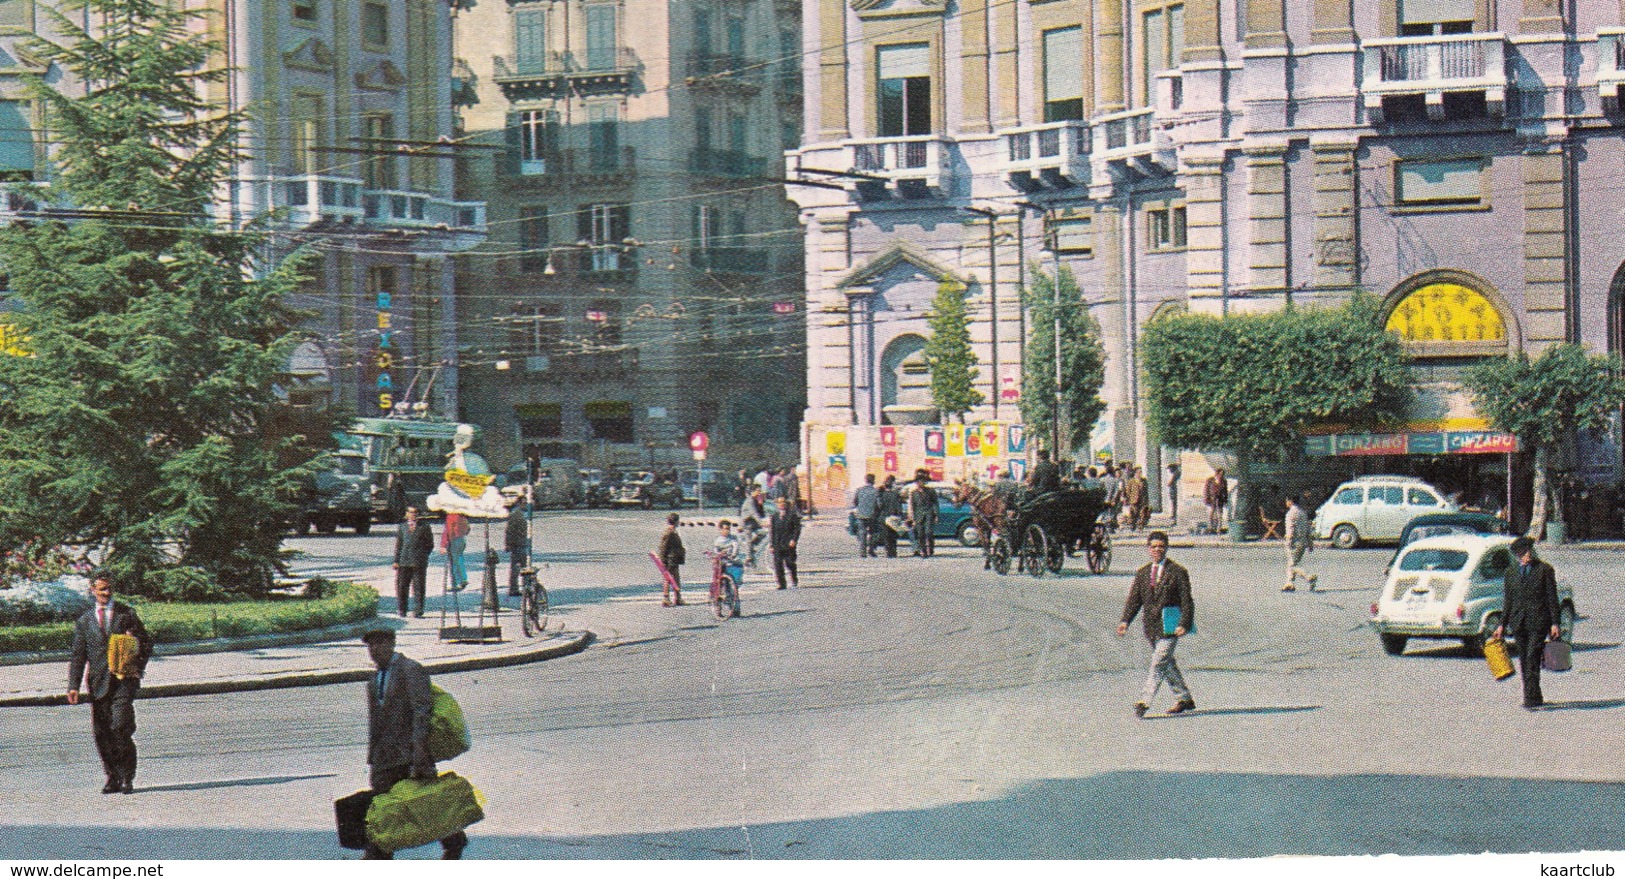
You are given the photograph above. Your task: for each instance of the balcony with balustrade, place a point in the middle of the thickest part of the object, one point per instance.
(1431, 67)
(558, 74)
(1132, 143)
(1610, 67)
(1050, 156)
(304, 200)
(725, 164)
(910, 166)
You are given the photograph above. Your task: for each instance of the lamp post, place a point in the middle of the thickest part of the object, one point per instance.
(1055, 314)
(993, 287)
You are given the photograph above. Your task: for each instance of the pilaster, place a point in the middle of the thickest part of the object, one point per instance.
(1109, 86)
(1266, 24)
(975, 108)
(1334, 22)
(1202, 178)
(1336, 231)
(1267, 226)
(832, 69)
(1202, 39)
(1544, 244)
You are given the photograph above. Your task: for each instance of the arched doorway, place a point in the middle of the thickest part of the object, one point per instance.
(905, 376)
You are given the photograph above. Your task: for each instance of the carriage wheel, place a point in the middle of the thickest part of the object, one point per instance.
(999, 552)
(1034, 550)
(1100, 550)
(1055, 560)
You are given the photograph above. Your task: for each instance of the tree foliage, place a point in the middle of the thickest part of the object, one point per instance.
(142, 424)
(1545, 401)
(948, 352)
(1083, 359)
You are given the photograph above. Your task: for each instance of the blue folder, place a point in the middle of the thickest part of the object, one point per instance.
(1170, 621)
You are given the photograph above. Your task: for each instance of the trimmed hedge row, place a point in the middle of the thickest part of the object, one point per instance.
(171, 622)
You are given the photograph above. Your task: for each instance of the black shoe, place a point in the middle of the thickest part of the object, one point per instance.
(1533, 706)
(126, 787)
(781, 587)
(1183, 706)
(452, 847)
(1140, 708)
(111, 787)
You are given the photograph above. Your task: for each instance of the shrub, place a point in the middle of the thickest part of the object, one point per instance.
(184, 583)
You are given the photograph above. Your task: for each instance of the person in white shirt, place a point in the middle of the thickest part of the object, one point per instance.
(1300, 538)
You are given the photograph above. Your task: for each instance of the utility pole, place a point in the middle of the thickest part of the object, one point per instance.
(1055, 313)
(993, 286)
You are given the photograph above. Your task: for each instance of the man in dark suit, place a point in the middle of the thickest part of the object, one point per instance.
(922, 511)
(1530, 613)
(399, 704)
(112, 697)
(785, 526)
(516, 540)
(1045, 476)
(414, 541)
(1161, 583)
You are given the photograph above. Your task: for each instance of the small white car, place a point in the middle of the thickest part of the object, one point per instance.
(1376, 508)
(1451, 587)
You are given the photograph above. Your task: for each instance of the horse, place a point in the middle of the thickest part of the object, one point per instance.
(988, 507)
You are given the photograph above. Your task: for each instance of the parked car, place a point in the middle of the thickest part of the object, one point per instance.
(338, 494)
(643, 489)
(954, 521)
(718, 487)
(1376, 508)
(1451, 587)
(598, 488)
(558, 483)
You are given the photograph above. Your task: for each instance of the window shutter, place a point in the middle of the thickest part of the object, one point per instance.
(1063, 64)
(511, 135)
(1429, 11)
(902, 62)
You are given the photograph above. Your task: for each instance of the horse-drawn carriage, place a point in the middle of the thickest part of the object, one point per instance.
(1039, 530)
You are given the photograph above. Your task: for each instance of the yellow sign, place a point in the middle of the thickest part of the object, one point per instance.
(467, 483)
(956, 440)
(11, 341)
(835, 442)
(992, 439)
(1447, 313)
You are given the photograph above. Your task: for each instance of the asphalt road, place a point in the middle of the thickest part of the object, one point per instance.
(899, 708)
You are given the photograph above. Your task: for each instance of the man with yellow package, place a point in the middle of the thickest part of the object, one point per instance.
(110, 652)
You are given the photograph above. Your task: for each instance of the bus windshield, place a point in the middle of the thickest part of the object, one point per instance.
(406, 444)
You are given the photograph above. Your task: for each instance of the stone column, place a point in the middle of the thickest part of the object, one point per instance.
(834, 378)
(832, 66)
(1545, 237)
(1268, 229)
(1205, 236)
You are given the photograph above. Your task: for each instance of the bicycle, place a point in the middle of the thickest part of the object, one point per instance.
(532, 602)
(724, 587)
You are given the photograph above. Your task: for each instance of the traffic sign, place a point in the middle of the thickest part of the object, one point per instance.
(699, 454)
(698, 441)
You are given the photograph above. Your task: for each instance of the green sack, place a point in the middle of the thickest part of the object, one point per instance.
(415, 813)
(448, 731)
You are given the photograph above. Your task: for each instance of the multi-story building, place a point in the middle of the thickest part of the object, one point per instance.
(642, 279)
(347, 105)
(1457, 158)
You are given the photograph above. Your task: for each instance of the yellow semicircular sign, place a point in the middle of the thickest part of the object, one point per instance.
(1447, 313)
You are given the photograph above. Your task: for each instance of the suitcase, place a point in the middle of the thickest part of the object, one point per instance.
(1556, 656)
(416, 813)
(1499, 658)
(351, 815)
(448, 730)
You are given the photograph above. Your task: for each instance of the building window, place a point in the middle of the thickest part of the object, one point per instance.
(304, 11)
(1424, 18)
(16, 142)
(534, 331)
(1063, 74)
(17, 15)
(530, 40)
(539, 420)
(379, 131)
(609, 420)
(702, 32)
(1072, 235)
(736, 37)
(904, 89)
(1164, 34)
(533, 239)
(602, 228)
(738, 133)
(375, 26)
(601, 43)
(604, 321)
(1448, 182)
(1165, 228)
(702, 127)
(604, 136)
(307, 134)
(534, 135)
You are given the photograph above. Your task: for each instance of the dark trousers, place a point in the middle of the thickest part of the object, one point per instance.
(784, 558)
(868, 533)
(925, 540)
(383, 778)
(517, 560)
(412, 582)
(1531, 644)
(888, 537)
(112, 717)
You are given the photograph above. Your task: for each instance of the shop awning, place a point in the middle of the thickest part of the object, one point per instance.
(1448, 442)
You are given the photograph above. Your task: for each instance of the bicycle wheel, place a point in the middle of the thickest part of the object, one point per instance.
(723, 596)
(527, 612)
(1100, 550)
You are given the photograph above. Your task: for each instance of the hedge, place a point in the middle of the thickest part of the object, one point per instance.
(171, 622)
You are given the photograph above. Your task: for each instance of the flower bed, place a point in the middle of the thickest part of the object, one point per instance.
(169, 622)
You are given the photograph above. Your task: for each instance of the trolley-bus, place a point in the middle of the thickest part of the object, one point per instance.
(406, 460)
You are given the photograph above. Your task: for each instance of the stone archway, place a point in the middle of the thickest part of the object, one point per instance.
(905, 377)
(1451, 313)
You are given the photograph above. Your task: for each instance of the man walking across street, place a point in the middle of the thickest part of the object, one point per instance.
(399, 704)
(890, 510)
(1158, 586)
(1133, 496)
(1529, 600)
(922, 511)
(865, 504)
(414, 541)
(112, 687)
(672, 555)
(1300, 538)
(1216, 494)
(516, 541)
(786, 532)
(1173, 492)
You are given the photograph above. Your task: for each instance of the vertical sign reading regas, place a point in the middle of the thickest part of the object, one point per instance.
(384, 357)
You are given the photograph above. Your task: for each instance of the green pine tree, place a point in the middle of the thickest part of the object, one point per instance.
(948, 352)
(146, 424)
(1083, 360)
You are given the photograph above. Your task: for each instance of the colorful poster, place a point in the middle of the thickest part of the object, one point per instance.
(973, 442)
(933, 442)
(835, 445)
(992, 438)
(888, 437)
(889, 459)
(956, 440)
(934, 467)
(992, 468)
(1018, 469)
(1016, 438)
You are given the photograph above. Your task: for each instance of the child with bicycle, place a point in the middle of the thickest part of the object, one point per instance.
(728, 553)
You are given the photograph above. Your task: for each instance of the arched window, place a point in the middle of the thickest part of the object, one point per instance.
(1450, 314)
(905, 377)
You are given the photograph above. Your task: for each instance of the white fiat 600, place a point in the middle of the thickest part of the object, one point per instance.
(1451, 587)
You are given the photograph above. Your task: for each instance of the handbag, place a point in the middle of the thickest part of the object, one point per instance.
(1499, 659)
(1556, 656)
(123, 656)
(1170, 621)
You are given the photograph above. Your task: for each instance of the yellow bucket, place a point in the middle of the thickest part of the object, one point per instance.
(1499, 658)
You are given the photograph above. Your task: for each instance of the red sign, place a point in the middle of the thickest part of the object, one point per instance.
(597, 316)
(698, 441)
(888, 437)
(784, 308)
(934, 467)
(889, 461)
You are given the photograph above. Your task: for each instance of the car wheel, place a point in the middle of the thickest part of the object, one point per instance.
(301, 524)
(363, 526)
(1565, 623)
(1475, 643)
(1345, 537)
(968, 535)
(325, 525)
(1393, 645)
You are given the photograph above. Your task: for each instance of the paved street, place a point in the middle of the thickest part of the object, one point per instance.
(897, 708)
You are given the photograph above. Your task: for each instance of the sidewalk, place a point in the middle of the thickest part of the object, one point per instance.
(230, 667)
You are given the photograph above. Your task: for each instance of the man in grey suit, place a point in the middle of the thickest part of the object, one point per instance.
(865, 506)
(112, 698)
(399, 704)
(414, 541)
(1531, 614)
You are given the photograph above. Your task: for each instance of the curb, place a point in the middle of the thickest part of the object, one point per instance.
(343, 632)
(567, 643)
